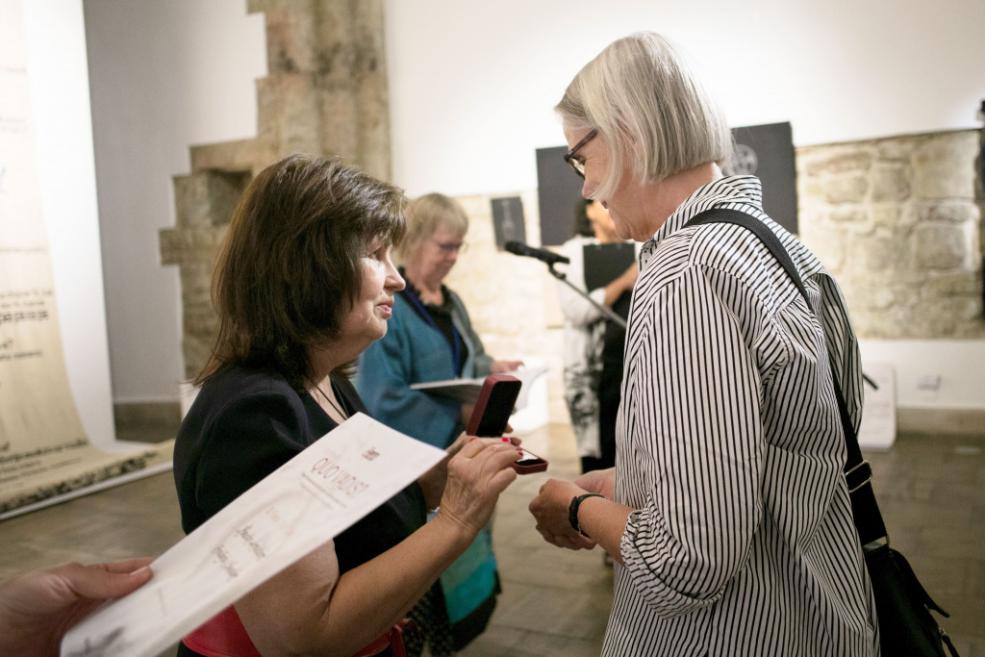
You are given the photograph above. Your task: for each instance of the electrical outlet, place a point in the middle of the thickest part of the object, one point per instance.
(929, 382)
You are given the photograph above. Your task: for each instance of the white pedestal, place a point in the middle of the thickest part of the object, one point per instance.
(878, 430)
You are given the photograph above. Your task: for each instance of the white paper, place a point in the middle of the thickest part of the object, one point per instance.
(463, 390)
(467, 390)
(297, 508)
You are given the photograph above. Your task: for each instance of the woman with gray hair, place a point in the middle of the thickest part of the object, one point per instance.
(431, 336)
(431, 339)
(727, 512)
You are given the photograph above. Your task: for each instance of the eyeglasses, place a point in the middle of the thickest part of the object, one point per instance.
(571, 156)
(449, 248)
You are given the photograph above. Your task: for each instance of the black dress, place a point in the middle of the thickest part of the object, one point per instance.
(610, 381)
(246, 423)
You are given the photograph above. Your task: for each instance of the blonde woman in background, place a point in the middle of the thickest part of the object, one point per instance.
(431, 339)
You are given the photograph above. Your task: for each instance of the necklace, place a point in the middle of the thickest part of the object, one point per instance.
(338, 409)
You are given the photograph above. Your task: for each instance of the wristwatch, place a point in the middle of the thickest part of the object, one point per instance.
(573, 510)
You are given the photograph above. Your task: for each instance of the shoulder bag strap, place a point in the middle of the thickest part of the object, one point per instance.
(868, 520)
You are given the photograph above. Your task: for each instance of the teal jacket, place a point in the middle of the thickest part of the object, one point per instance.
(414, 351)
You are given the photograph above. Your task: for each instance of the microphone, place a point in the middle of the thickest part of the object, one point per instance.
(545, 256)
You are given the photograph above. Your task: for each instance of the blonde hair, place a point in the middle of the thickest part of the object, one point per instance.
(641, 97)
(424, 215)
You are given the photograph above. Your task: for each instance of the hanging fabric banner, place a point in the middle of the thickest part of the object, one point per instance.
(44, 452)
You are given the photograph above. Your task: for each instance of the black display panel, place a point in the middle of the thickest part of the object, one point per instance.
(605, 263)
(508, 222)
(558, 196)
(765, 151)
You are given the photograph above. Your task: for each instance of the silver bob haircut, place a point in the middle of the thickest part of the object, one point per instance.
(640, 96)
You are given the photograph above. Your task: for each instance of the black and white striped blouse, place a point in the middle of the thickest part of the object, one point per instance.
(730, 448)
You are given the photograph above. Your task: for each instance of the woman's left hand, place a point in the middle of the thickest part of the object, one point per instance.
(550, 509)
(503, 366)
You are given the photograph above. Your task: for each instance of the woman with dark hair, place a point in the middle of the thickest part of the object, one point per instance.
(303, 284)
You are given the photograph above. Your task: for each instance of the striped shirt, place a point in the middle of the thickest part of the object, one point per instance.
(729, 447)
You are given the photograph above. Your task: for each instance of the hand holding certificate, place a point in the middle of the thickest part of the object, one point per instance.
(298, 508)
(37, 607)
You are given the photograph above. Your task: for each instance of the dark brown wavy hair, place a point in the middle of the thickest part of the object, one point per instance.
(287, 272)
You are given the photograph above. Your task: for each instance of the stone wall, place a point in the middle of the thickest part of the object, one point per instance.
(898, 221)
(325, 94)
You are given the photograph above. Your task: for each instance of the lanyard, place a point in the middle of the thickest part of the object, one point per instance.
(456, 350)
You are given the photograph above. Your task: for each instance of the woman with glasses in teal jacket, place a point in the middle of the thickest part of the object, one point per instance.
(431, 338)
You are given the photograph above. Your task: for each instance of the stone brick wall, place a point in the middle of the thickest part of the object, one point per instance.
(325, 94)
(898, 221)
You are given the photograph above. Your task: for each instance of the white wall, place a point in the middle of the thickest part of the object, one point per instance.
(63, 143)
(164, 76)
(473, 83)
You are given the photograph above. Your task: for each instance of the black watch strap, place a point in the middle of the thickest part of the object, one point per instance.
(573, 510)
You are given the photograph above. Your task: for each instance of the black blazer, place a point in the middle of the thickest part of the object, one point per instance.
(246, 423)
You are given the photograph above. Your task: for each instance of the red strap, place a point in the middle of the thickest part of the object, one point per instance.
(378, 646)
(225, 636)
(392, 638)
(222, 636)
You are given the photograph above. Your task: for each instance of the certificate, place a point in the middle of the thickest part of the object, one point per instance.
(297, 508)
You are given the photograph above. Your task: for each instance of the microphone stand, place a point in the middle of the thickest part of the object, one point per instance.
(609, 314)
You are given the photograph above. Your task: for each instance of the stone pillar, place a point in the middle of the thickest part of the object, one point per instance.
(325, 94)
(326, 91)
(899, 222)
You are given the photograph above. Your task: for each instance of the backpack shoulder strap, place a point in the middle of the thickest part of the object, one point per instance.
(765, 235)
(868, 520)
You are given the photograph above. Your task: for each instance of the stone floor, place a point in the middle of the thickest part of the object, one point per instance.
(555, 602)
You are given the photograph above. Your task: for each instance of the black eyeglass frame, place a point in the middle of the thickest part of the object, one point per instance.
(570, 158)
